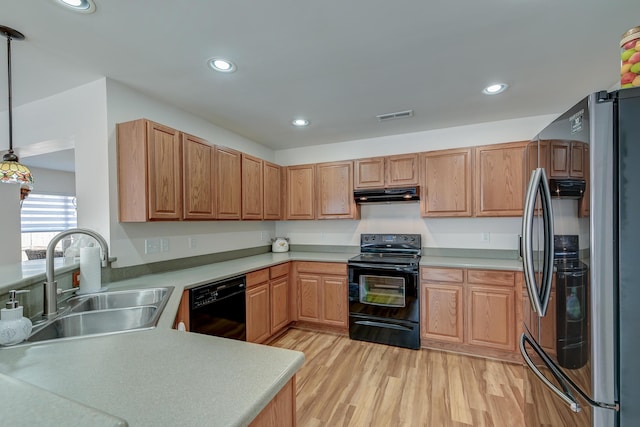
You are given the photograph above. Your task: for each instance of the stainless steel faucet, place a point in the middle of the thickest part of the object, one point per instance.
(51, 286)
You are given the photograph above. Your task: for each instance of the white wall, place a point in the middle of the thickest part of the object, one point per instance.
(84, 118)
(439, 139)
(10, 224)
(128, 240)
(405, 218)
(51, 181)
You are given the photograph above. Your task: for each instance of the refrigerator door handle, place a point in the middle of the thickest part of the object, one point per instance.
(567, 398)
(539, 298)
(547, 270)
(566, 382)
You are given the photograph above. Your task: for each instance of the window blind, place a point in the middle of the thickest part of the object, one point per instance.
(47, 212)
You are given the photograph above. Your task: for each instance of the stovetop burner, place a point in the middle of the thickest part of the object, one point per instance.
(399, 249)
(380, 258)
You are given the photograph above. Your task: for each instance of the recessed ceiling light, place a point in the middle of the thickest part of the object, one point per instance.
(82, 6)
(300, 122)
(222, 65)
(495, 88)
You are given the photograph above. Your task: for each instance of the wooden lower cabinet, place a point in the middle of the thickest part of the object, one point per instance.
(258, 311)
(322, 293)
(472, 311)
(491, 317)
(442, 316)
(279, 292)
(267, 302)
(309, 297)
(281, 411)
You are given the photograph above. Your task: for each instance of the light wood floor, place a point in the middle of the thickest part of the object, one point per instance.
(354, 383)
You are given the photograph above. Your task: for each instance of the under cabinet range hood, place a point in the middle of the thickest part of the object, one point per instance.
(387, 195)
(567, 188)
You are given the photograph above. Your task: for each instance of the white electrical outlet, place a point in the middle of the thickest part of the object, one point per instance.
(485, 237)
(152, 246)
(164, 245)
(192, 242)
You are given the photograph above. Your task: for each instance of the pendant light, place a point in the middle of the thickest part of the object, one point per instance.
(11, 170)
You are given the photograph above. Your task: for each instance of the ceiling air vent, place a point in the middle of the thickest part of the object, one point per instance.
(396, 115)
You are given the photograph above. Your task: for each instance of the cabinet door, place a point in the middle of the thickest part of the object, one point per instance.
(258, 322)
(560, 159)
(229, 179)
(198, 187)
(334, 301)
(499, 180)
(537, 157)
(300, 192)
(491, 317)
(402, 170)
(281, 411)
(308, 297)
(335, 190)
(164, 168)
(369, 173)
(446, 183)
(442, 312)
(273, 189)
(279, 303)
(252, 187)
(577, 163)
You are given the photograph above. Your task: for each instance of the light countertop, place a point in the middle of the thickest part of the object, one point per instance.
(162, 376)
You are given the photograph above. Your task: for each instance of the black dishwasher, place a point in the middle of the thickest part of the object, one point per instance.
(219, 309)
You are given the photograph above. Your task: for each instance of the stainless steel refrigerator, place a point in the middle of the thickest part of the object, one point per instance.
(581, 259)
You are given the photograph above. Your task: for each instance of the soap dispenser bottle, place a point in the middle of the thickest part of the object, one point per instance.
(14, 327)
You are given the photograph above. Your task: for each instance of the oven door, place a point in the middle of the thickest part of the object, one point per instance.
(384, 291)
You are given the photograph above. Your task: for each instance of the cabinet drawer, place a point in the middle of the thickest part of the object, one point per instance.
(279, 270)
(256, 277)
(451, 275)
(491, 277)
(321, 267)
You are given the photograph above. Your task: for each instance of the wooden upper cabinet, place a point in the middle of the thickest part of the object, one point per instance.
(229, 183)
(567, 159)
(446, 183)
(390, 171)
(560, 163)
(149, 172)
(198, 187)
(369, 173)
(577, 163)
(334, 189)
(252, 187)
(402, 170)
(538, 156)
(300, 192)
(500, 179)
(273, 189)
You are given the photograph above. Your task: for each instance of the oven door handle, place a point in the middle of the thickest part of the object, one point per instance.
(390, 267)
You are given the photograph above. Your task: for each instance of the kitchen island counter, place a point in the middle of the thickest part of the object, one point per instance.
(165, 377)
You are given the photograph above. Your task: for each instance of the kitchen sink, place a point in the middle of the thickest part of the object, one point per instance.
(104, 314)
(118, 299)
(98, 322)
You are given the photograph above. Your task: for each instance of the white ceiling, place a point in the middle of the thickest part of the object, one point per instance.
(338, 63)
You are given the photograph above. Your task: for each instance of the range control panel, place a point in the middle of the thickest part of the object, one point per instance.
(390, 242)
